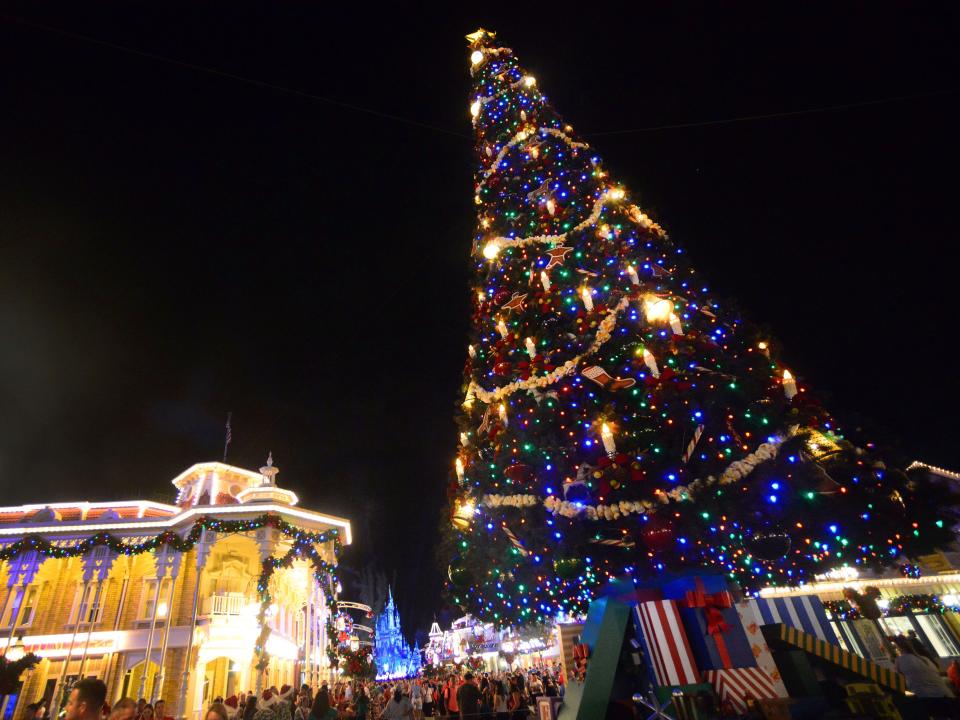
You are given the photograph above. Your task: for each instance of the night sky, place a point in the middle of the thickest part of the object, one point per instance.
(176, 244)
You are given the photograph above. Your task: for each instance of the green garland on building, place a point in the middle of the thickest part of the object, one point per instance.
(303, 546)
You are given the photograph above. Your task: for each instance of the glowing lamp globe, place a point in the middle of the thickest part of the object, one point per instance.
(657, 309)
(476, 57)
(491, 250)
(463, 515)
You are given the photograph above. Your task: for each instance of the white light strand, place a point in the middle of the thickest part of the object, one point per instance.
(734, 472)
(604, 332)
(489, 52)
(504, 242)
(522, 82)
(521, 137)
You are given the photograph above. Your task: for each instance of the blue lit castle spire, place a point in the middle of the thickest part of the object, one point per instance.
(394, 657)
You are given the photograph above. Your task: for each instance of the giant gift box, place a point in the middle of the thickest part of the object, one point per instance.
(803, 612)
(716, 635)
(725, 639)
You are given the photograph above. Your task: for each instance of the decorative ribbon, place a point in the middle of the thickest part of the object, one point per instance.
(712, 604)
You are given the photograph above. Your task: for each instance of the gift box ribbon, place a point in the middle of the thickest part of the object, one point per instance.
(712, 604)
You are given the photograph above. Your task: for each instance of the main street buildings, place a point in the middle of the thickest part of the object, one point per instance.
(230, 588)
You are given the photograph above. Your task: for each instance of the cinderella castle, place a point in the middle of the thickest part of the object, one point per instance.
(394, 657)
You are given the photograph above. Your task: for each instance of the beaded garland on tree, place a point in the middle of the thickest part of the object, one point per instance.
(618, 418)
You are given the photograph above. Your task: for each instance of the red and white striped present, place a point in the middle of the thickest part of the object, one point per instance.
(667, 644)
(738, 684)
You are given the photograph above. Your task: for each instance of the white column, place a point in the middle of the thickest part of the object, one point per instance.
(95, 604)
(149, 650)
(268, 539)
(168, 622)
(202, 550)
(58, 701)
(166, 560)
(6, 600)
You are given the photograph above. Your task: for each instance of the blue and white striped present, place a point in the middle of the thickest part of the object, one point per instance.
(803, 612)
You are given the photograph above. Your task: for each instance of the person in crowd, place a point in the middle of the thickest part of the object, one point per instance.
(534, 686)
(450, 696)
(361, 703)
(160, 711)
(398, 707)
(416, 699)
(486, 698)
(919, 647)
(515, 703)
(124, 709)
(303, 707)
(250, 709)
(468, 698)
(428, 704)
(924, 680)
(953, 674)
(217, 711)
(141, 704)
(321, 708)
(147, 712)
(500, 696)
(86, 700)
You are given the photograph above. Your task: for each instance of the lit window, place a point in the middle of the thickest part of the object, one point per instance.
(937, 635)
(29, 605)
(151, 600)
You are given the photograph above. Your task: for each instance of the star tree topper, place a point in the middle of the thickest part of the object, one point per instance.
(477, 38)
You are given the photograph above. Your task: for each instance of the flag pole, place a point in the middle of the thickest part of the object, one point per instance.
(227, 437)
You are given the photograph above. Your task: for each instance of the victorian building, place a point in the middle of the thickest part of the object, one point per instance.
(171, 601)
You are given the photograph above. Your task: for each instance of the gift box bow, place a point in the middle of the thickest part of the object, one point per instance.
(712, 604)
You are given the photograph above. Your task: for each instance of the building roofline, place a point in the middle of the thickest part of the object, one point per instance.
(171, 521)
(179, 481)
(87, 505)
(943, 472)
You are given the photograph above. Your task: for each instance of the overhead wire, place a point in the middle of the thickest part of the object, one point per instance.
(232, 76)
(786, 113)
(446, 131)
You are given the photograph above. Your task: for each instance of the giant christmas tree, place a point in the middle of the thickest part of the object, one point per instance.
(618, 417)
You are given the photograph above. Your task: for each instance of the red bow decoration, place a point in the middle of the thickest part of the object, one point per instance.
(715, 622)
(712, 604)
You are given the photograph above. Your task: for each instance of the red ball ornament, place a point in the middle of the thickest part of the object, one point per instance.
(657, 533)
(520, 473)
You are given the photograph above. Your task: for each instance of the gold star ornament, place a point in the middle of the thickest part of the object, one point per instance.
(476, 39)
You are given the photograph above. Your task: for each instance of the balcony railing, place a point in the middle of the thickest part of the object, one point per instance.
(222, 604)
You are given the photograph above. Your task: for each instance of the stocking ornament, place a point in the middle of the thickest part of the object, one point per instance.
(605, 380)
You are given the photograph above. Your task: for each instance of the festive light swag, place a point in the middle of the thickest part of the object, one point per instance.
(304, 545)
(617, 416)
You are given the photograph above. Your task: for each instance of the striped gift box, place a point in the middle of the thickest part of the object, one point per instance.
(833, 654)
(738, 684)
(667, 646)
(803, 612)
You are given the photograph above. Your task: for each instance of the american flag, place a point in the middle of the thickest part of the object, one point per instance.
(228, 437)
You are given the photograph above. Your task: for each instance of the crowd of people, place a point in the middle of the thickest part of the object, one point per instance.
(484, 696)
(467, 695)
